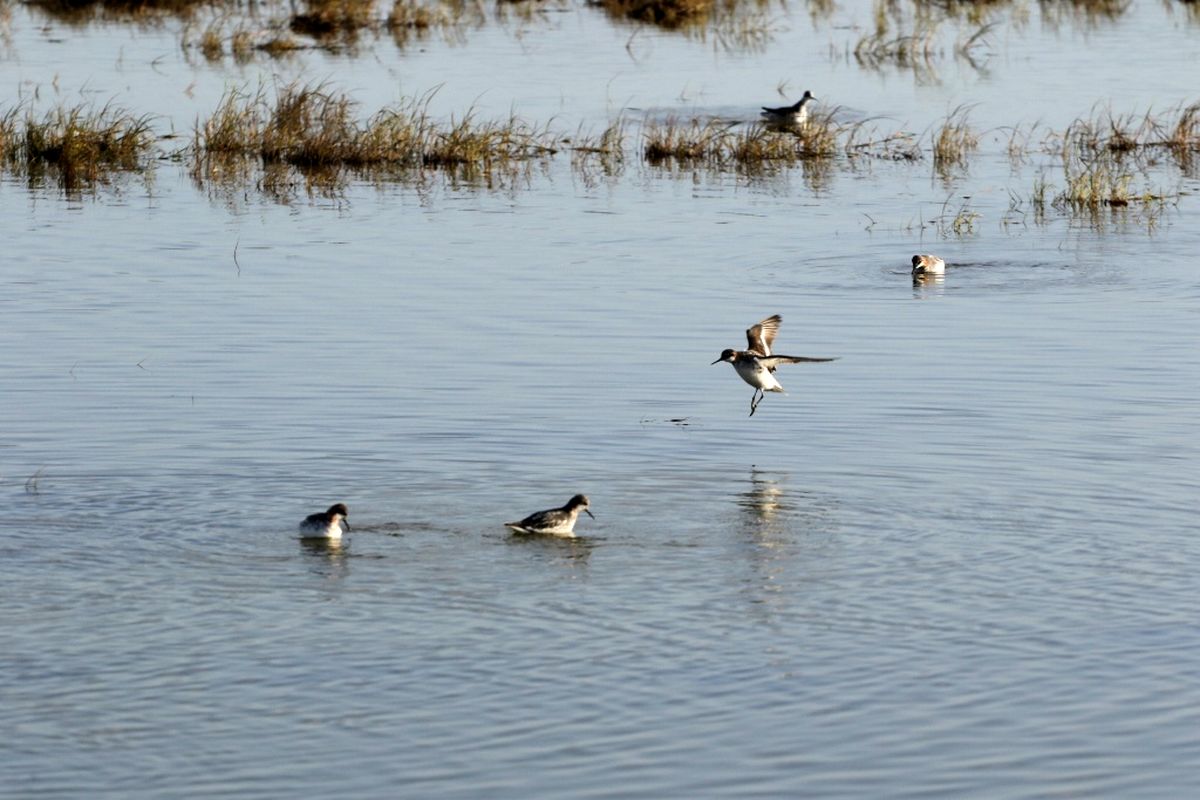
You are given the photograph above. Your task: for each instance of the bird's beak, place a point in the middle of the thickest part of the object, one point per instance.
(589, 513)
(346, 522)
(718, 361)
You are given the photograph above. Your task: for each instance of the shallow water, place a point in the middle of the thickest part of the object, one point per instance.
(960, 560)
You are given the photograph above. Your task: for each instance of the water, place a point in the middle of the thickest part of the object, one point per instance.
(961, 560)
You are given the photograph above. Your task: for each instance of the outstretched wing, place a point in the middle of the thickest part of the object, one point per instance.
(771, 362)
(762, 336)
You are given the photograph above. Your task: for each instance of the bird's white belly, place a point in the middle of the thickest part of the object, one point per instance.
(758, 376)
(320, 531)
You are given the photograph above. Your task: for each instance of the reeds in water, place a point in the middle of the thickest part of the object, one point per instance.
(664, 13)
(715, 143)
(319, 132)
(75, 147)
(954, 141)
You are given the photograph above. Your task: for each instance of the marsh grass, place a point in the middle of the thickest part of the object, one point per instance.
(691, 141)
(319, 133)
(954, 141)
(328, 19)
(715, 143)
(916, 49)
(75, 147)
(957, 222)
(1084, 13)
(593, 156)
(212, 43)
(82, 11)
(670, 14)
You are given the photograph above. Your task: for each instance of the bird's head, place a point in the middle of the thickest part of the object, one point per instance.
(726, 355)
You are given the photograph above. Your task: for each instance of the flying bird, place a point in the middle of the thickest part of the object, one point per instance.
(756, 365)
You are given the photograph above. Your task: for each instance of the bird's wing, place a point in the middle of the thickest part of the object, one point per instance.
(762, 336)
(542, 519)
(771, 362)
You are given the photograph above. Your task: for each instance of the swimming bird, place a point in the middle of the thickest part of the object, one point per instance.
(554, 521)
(756, 365)
(927, 265)
(795, 114)
(327, 524)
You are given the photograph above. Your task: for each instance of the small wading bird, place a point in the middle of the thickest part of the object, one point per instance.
(554, 521)
(327, 524)
(756, 365)
(795, 114)
(927, 265)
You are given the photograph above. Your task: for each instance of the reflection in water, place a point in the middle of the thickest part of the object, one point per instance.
(928, 285)
(329, 558)
(765, 505)
(571, 552)
(778, 524)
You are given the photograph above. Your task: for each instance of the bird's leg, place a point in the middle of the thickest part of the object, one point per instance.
(754, 401)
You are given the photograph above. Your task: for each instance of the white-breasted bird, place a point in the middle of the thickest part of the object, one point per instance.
(327, 524)
(554, 521)
(795, 114)
(927, 265)
(756, 365)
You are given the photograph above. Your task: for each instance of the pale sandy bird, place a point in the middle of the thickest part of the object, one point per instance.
(327, 524)
(756, 365)
(927, 265)
(795, 114)
(554, 521)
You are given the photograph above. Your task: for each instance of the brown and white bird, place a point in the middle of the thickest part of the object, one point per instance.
(756, 365)
(927, 265)
(554, 521)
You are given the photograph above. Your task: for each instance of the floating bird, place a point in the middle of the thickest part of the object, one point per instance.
(554, 521)
(795, 114)
(927, 265)
(327, 524)
(756, 365)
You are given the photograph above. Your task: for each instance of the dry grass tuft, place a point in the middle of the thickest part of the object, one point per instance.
(694, 141)
(669, 14)
(715, 144)
(79, 11)
(76, 147)
(318, 132)
(324, 19)
(954, 141)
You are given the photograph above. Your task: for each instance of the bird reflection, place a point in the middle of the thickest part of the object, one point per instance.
(781, 527)
(765, 500)
(928, 285)
(566, 551)
(328, 558)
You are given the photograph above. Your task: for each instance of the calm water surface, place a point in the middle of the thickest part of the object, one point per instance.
(961, 560)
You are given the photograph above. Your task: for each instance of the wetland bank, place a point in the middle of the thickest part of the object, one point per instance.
(450, 262)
